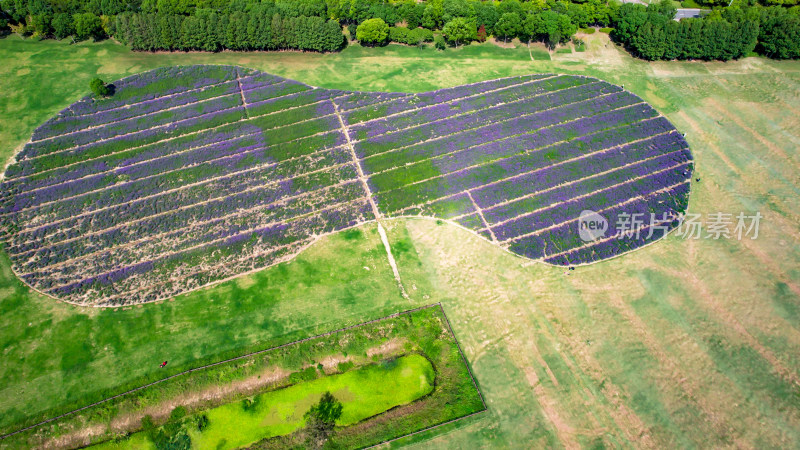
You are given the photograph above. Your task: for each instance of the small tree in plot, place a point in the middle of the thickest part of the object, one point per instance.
(99, 88)
(321, 419)
(481, 36)
(372, 32)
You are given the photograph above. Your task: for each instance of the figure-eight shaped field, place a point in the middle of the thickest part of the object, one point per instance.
(190, 175)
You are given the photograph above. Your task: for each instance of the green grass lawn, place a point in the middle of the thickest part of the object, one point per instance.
(683, 343)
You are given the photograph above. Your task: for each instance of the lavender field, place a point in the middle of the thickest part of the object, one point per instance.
(191, 175)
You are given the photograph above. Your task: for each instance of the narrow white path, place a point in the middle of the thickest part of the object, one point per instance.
(368, 193)
(480, 213)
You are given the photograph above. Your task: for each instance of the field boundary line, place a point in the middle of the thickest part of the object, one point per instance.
(471, 376)
(241, 93)
(224, 361)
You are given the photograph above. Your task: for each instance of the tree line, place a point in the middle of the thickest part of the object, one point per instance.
(259, 28)
(316, 25)
(724, 34)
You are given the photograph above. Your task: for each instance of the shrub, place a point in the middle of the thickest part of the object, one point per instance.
(403, 35)
(439, 43)
(606, 30)
(202, 422)
(588, 30)
(372, 32)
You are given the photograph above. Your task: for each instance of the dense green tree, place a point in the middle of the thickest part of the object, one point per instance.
(372, 32)
(99, 88)
(411, 12)
(459, 30)
(549, 27)
(508, 26)
(40, 24)
(779, 33)
(63, 25)
(629, 18)
(486, 15)
(432, 15)
(87, 25)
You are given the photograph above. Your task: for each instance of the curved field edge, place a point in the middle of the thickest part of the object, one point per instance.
(203, 279)
(616, 328)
